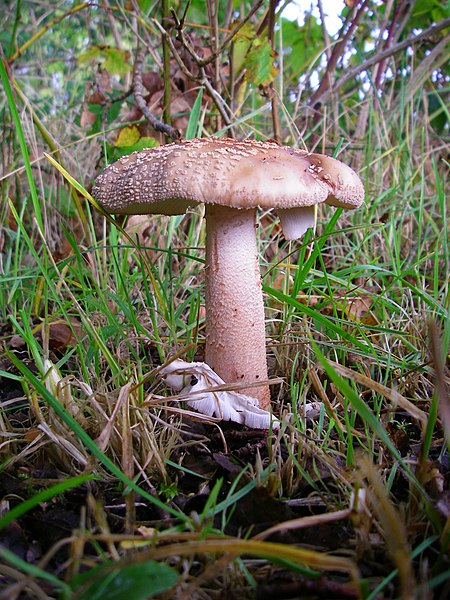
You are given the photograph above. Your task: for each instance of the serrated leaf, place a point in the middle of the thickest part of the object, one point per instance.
(241, 45)
(92, 53)
(260, 64)
(114, 60)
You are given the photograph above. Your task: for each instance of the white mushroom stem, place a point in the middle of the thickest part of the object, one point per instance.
(235, 323)
(295, 221)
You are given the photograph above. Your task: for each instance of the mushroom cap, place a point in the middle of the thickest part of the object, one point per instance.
(236, 173)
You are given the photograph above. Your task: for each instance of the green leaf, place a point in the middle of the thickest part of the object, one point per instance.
(300, 44)
(427, 12)
(143, 142)
(114, 153)
(145, 6)
(129, 140)
(111, 116)
(138, 581)
(127, 136)
(241, 45)
(438, 111)
(260, 63)
(114, 60)
(94, 53)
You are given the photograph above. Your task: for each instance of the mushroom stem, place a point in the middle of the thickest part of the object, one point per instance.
(235, 323)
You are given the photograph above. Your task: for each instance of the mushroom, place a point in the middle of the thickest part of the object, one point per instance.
(233, 178)
(201, 387)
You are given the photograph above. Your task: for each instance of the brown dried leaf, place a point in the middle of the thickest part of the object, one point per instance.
(358, 309)
(16, 342)
(61, 335)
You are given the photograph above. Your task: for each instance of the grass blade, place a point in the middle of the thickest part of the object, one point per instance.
(42, 496)
(88, 441)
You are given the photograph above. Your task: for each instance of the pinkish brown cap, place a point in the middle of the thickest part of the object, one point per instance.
(240, 174)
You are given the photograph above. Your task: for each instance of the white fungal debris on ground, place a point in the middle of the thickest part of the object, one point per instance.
(196, 380)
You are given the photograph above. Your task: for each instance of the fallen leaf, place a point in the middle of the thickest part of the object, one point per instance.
(60, 334)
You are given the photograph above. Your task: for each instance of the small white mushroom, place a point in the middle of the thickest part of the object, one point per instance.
(197, 381)
(233, 178)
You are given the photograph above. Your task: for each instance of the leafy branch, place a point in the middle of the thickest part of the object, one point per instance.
(381, 56)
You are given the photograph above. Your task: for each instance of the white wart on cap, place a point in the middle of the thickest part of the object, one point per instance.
(233, 178)
(235, 173)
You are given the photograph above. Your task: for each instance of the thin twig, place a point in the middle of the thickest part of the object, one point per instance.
(203, 62)
(351, 73)
(273, 96)
(325, 36)
(338, 49)
(166, 62)
(201, 79)
(213, 19)
(176, 54)
(399, 9)
(217, 99)
(168, 130)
